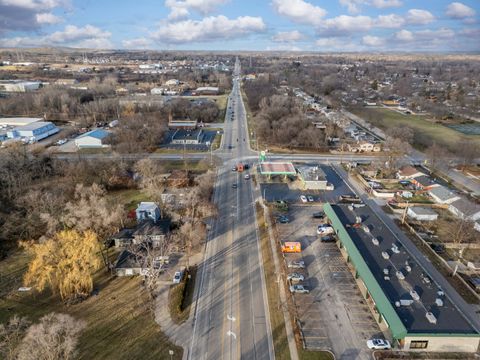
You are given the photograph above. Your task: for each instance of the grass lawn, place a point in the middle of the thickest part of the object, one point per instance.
(130, 198)
(425, 131)
(314, 355)
(120, 324)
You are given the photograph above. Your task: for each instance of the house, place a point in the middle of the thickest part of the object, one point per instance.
(147, 211)
(151, 232)
(128, 264)
(465, 209)
(123, 238)
(422, 213)
(93, 139)
(192, 137)
(34, 131)
(409, 172)
(424, 182)
(442, 195)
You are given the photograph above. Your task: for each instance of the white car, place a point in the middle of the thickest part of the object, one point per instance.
(310, 198)
(247, 177)
(378, 344)
(295, 277)
(300, 264)
(325, 230)
(299, 289)
(303, 198)
(177, 277)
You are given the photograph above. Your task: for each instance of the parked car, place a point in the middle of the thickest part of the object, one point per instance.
(318, 215)
(299, 289)
(310, 198)
(234, 168)
(438, 248)
(378, 344)
(247, 177)
(325, 229)
(246, 166)
(328, 238)
(177, 277)
(295, 277)
(303, 198)
(299, 264)
(234, 186)
(282, 219)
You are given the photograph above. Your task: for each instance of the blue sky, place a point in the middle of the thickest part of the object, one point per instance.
(309, 25)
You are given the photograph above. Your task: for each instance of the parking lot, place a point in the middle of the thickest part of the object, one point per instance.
(334, 315)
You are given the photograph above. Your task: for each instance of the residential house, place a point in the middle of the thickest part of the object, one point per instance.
(465, 209)
(148, 211)
(151, 232)
(422, 213)
(128, 264)
(409, 172)
(442, 195)
(123, 238)
(424, 182)
(364, 146)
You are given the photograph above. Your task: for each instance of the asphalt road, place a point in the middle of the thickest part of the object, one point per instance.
(231, 319)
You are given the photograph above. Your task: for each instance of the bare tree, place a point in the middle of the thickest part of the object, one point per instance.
(467, 152)
(54, 337)
(11, 335)
(152, 179)
(436, 155)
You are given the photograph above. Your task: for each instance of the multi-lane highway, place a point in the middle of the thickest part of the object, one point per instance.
(231, 319)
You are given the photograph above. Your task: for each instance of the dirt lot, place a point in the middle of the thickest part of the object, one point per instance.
(334, 314)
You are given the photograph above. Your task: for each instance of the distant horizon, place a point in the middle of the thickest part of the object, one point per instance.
(347, 26)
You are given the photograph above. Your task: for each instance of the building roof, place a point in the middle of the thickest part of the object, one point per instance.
(34, 126)
(18, 121)
(370, 264)
(150, 228)
(425, 181)
(207, 88)
(466, 207)
(147, 206)
(277, 168)
(420, 210)
(442, 193)
(127, 260)
(311, 173)
(96, 133)
(123, 234)
(408, 171)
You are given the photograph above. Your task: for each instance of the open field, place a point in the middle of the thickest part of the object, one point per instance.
(425, 132)
(120, 324)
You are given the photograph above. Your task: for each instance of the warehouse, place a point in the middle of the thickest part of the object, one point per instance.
(18, 121)
(405, 300)
(35, 131)
(92, 139)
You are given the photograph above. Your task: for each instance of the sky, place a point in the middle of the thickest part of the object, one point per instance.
(287, 25)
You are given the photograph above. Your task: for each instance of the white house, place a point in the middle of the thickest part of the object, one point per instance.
(34, 131)
(409, 172)
(422, 213)
(147, 211)
(442, 195)
(92, 139)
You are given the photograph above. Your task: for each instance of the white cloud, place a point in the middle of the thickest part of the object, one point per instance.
(287, 36)
(353, 6)
(48, 18)
(404, 35)
(300, 11)
(85, 37)
(373, 41)
(180, 8)
(209, 28)
(346, 23)
(458, 10)
(419, 17)
(336, 44)
(138, 43)
(35, 4)
(390, 21)
(381, 4)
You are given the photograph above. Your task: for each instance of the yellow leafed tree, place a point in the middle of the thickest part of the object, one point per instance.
(66, 263)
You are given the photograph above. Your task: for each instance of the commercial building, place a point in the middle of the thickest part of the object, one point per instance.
(18, 121)
(312, 177)
(192, 137)
(206, 90)
(34, 131)
(406, 302)
(92, 139)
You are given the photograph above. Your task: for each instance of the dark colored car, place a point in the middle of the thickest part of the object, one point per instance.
(283, 219)
(327, 238)
(234, 186)
(246, 166)
(318, 215)
(438, 248)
